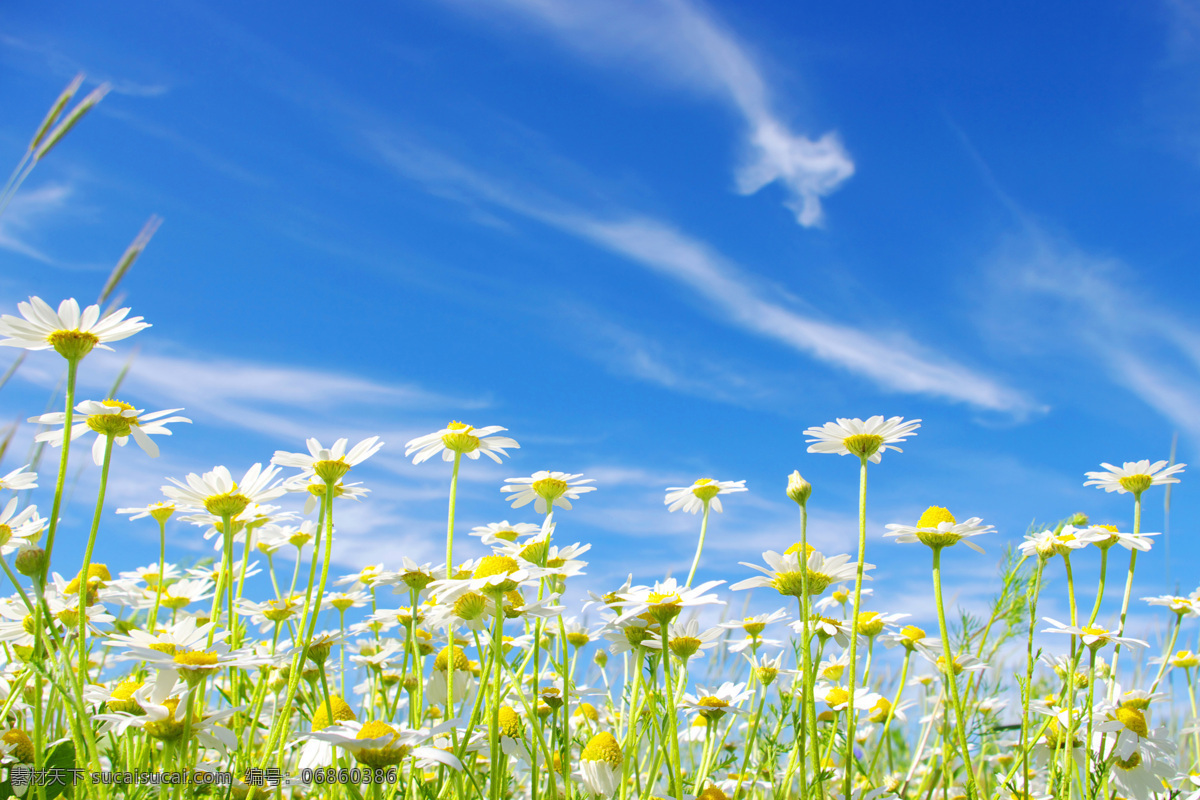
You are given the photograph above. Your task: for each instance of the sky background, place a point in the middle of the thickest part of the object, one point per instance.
(654, 239)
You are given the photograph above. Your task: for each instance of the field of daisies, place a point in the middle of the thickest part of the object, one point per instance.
(467, 679)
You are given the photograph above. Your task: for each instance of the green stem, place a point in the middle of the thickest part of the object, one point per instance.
(1137, 530)
(862, 549)
(84, 577)
(672, 717)
(1162, 668)
(948, 670)
(162, 579)
(699, 545)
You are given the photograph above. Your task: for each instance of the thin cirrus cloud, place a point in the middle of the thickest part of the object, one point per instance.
(687, 46)
(894, 362)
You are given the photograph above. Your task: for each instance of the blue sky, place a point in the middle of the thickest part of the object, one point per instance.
(655, 240)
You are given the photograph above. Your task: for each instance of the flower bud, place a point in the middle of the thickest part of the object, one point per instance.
(31, 561)
(798, 489)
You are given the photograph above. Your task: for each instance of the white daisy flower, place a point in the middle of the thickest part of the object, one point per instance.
(547, 489)
(503, 532)
(838, 697)
(458, 437)
(937, 528)
(1134, 476)
(783, 573)
(1108, 535)
(600, 765)
(19, 480)
(716, 703)
(701, 493)
(329, 464)
(315, 487)
(19, 528)
(110, 417)
(160, 511)
(665, 599)
(863, 439)
(1183, 606)
(71, 333)
(1093, 636)
(217, 493)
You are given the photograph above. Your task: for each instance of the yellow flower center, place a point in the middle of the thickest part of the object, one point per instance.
(341, 713)
(1185, 659)
(163, 647)
(196, 658)
(112, 424)
(603, 747)
(927, 528)
(664, 607)
(378, 757)
(470, 606)
(863, 445)
(510, 723)
(5, 534)
(490, 566)
(331, 470)
(23, 745)
(1135, 484)
(442, 662)
(169, 727)
(712, 707)
(98, 576)
(1134, 720)
(461, 438)
(880, 711)
(869, 623)
(753, 627)
(229, 504)
(836, 697)
(911, 635)
(549, 489)
(706, 489)
(685, 646)
(73, 345)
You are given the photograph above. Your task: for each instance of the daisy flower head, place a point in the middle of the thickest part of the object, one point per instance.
(19, 480)
(1134, 477)
(1105, 536)
(461, 439)
(329, 464)
(1093, 636)
(378, 745)
(712, 704)
(547, 489)
(220, 495)
(1182, 606)
(700, 494)
(666, 599)
(867, 440)
(600, 765)
(786, 575)
(501, 532)
(110, 418)
(161, 511)
(937, 528)
(71, 333)
(18, 528)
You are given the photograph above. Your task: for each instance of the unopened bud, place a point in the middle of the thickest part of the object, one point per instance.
(31, 561)
(798, 489)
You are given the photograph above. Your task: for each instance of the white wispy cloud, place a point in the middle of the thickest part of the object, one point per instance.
(1049, 292)
(683, 44)
(282, 400)
(26, 212)
(893, 361)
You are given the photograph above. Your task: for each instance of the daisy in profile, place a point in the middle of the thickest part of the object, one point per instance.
(19, 480)
(937, 528)
(329, 464)
(1093, 636)
(71, 333)
(315, 487)
(785, 574)
(715, 703)
(665, 600)
(547, 489)
(1105, 536)
(110, 418)
(459, 438)
(161, 512)
(220, 495)
(704, 492)
(18, 528)
(1134, 477)
(503, 532)
(600, 765)
(867, 440)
